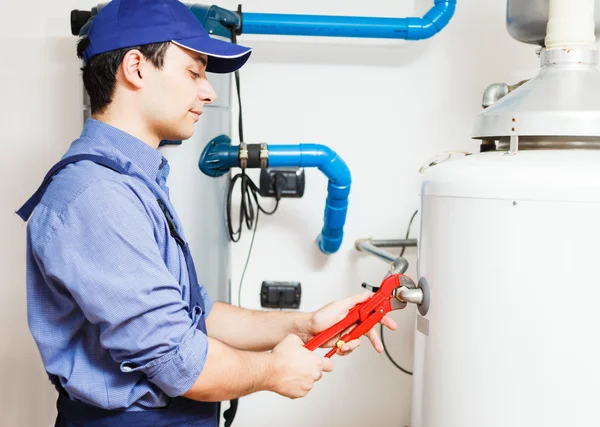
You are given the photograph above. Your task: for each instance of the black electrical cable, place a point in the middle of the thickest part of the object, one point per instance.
(388, 354)
(246, 265)
(239, 93)
(380, 325)
(408, 231)
(249, 191)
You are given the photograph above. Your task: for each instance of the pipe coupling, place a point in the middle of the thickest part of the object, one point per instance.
(243, 155)
(264, 155)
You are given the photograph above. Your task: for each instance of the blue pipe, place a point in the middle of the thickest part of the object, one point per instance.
(351, 26)
(338, 189)
(219, 156)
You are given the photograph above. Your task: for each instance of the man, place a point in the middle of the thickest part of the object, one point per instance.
(125, 332)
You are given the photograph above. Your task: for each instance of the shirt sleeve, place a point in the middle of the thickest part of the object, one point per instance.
(208, 301)
(105, 254)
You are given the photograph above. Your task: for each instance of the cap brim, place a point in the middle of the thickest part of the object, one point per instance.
(223, 57)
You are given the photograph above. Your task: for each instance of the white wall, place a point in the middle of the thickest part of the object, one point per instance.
(385, 106)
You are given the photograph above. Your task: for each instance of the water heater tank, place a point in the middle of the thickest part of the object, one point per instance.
(509, 246)
(509, 249)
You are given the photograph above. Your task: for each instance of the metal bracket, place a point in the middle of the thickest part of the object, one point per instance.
(514, 145)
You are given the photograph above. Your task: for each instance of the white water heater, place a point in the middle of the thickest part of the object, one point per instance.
(509, 248)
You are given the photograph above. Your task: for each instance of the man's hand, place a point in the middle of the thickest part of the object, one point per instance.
(336, 311)
(296, 369)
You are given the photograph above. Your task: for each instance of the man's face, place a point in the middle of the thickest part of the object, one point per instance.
(176, 95)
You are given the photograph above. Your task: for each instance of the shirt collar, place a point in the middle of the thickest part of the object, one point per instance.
(149, 160)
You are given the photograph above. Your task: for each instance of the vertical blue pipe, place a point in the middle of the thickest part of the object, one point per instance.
(338, 189)
(351, 26)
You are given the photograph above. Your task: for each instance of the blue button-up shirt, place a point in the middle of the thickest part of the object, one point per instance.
(107, 286)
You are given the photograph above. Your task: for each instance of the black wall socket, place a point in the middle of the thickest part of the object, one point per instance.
(294, 182)
(280, 294)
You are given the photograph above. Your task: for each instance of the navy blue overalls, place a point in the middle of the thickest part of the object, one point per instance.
(180, 411)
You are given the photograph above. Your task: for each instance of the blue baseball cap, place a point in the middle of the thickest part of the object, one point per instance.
(127, 23)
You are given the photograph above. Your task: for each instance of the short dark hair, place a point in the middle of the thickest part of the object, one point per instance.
(100, 72)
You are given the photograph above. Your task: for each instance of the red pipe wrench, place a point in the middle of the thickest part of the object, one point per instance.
(365, 315)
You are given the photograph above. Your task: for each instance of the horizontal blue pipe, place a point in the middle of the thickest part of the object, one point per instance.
(338, 189)
(351, 26)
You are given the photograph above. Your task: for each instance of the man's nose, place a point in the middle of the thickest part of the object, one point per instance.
(206, 93)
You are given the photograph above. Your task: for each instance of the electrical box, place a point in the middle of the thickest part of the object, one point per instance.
(293, 182)
(280, 294)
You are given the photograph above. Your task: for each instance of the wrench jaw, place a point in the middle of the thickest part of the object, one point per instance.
(396, 303)
(408, 282)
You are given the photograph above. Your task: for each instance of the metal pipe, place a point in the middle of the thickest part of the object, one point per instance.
(399, 266)
(366, 246)
(351, 26)
(414, 296)
(393, 243)
(494, 93)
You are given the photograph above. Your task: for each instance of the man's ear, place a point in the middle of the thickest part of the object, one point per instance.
(133, 68)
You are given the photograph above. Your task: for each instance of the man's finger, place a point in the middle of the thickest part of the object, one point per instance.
(351, 301)
(389, 323)
(344, 305)
(348, 347)
(327, 364)
(374, 338)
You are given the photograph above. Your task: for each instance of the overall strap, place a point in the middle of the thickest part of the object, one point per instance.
(195, 295)
(27, 209)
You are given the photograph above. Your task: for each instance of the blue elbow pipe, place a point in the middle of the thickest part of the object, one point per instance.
(338, 189)
(351, 26)
(219, 156)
